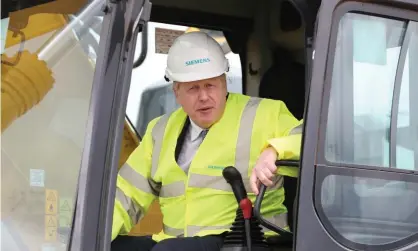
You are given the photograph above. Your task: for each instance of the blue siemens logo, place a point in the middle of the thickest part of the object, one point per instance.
(216, 167)
(197, 61)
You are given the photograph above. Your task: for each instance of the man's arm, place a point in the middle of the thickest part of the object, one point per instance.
(135, 189)
(288, 139)
(285, 145)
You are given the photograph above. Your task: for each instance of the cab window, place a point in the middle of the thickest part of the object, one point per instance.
(150, 95)
(381, 113)
(372, 124)
(47, 75)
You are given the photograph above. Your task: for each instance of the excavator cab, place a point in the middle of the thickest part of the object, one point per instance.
(81, 79)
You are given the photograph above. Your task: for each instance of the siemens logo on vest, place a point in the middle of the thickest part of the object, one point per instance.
(216, 167)
(197, 61)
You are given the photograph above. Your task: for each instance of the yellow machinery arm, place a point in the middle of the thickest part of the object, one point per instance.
(25, 85)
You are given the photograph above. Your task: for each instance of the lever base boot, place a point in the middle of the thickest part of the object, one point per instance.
(235, 240)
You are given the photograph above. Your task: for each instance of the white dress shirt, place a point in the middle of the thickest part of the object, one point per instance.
(192, 140)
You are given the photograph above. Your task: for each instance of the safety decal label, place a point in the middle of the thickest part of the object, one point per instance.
(51, 202)
(37, 177)
(65, 212)
(51, 227)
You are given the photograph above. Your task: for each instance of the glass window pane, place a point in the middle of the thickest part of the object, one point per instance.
(362, 94)
(363, 210)
(47, 77)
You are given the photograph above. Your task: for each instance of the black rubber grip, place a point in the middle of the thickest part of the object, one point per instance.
(234, 178)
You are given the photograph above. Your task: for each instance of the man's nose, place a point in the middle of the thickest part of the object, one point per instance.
(203, 95)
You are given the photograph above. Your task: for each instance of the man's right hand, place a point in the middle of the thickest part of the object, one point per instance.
(264, 170)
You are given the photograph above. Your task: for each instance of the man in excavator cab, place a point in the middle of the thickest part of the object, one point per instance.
(62, 117)
(181, 158)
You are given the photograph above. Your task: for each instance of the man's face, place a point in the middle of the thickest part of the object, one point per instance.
(204, 100)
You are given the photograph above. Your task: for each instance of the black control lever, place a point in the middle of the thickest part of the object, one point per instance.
(259, 199)
(234, 178)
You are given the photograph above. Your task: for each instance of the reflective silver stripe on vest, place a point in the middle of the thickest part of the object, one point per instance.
(172, 190)
(137, 180)
(219, 183)
(243, 148)
(133, 210)
(157, 136)
(279, 220)
(173, 231)
(297, 130)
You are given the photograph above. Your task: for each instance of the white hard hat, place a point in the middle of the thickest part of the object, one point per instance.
(195, 56)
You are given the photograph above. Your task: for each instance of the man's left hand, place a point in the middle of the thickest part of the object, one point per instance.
(264, 170)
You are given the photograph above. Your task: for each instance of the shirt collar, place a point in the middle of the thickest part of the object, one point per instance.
(195, 130)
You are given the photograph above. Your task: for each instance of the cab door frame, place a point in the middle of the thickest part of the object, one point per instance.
(93, 214)
(310, 233)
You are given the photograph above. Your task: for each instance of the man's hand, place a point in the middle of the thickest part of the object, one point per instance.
(264, 169)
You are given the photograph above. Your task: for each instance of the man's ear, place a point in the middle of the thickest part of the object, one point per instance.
(224, 81)
(176, 89)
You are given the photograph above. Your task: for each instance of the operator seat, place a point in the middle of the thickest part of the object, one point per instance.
(285, 81)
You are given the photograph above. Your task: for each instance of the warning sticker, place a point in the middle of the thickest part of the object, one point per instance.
(51, 202)
(51, 227)
(51, 221)
(51, 195)
(65, 212)
(65, 206)
(37, 177)
(164, 38)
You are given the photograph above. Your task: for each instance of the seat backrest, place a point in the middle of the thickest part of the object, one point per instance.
(285, 81)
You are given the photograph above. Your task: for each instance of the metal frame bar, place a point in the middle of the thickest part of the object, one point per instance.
(144, 47)
(136, 18)
(63, 39)
(308, 20)
(92, 222)
(397, 93)
(413, 90)
(85, 229)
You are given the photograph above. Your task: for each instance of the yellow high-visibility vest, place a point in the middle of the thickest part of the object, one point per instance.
(201, 202)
